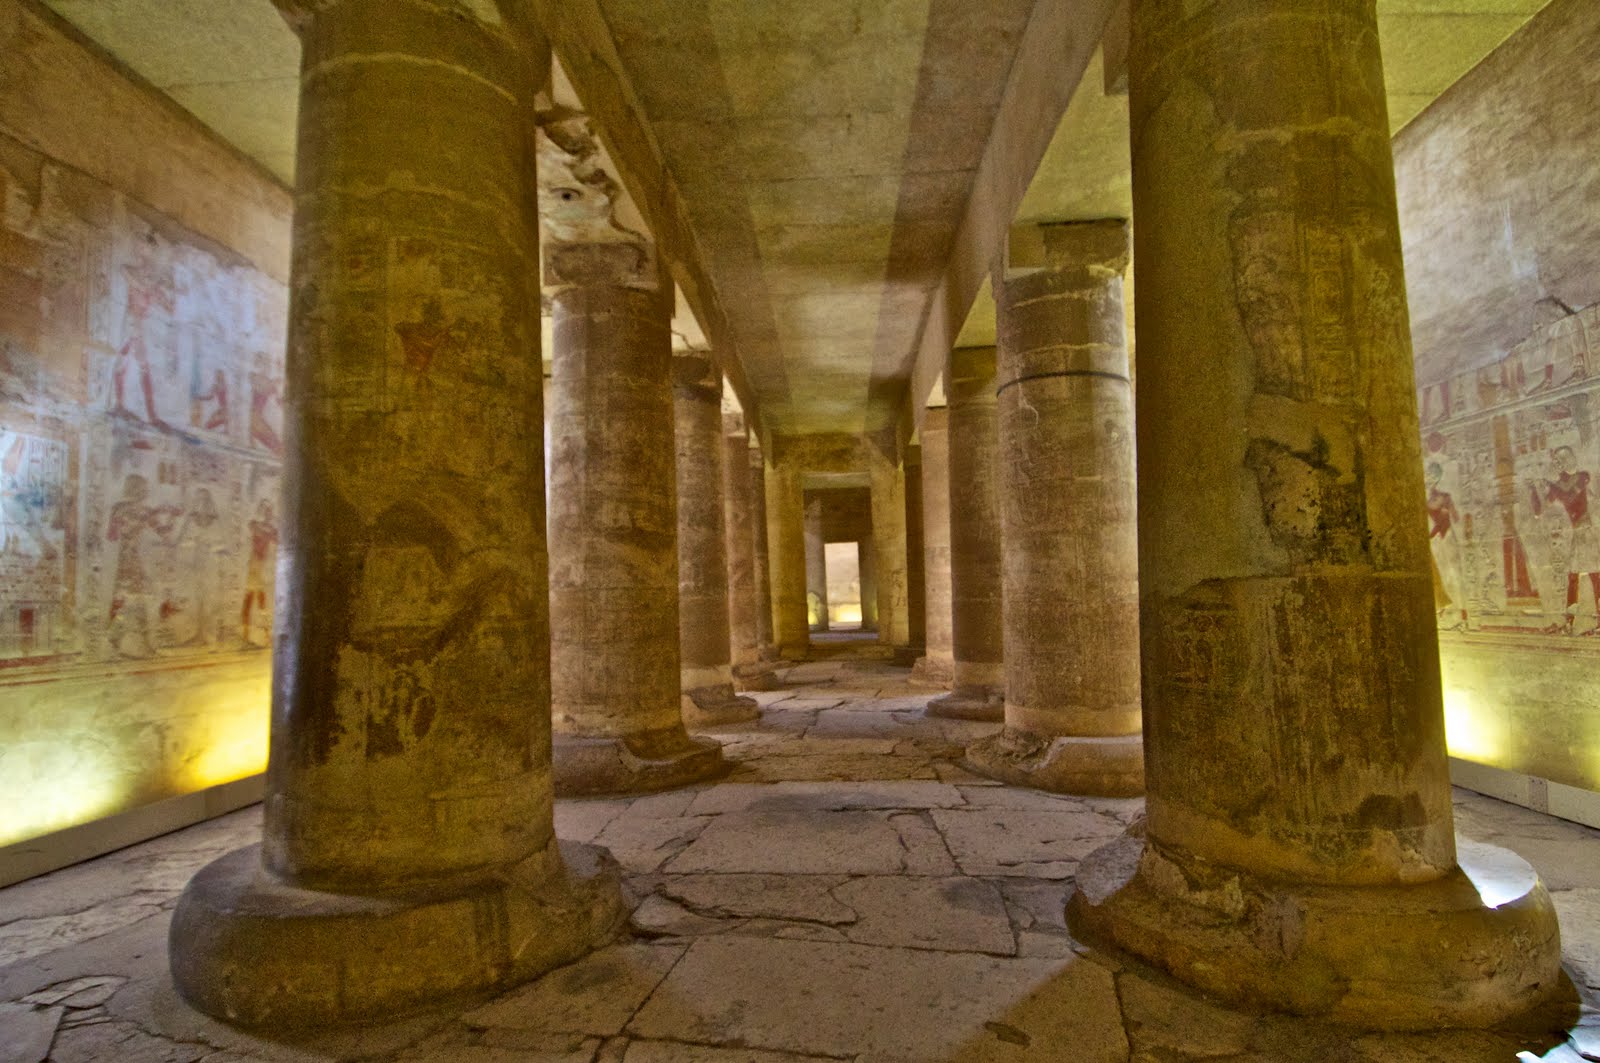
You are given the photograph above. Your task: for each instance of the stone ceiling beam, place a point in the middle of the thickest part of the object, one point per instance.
(581, 37)
(1056, 49)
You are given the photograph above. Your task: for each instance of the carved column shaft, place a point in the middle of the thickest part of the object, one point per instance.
(937, 666)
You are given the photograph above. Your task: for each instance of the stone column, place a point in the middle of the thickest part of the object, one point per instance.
(867, 567)
(614, 547)
(936, 668)
(888, 481)
(707, 663)
(1300, 850)
(409, 787)
(744, 641)
(976, 596)
(787, 556)
(1066, 492)
(816, 565)
(916, 585)
(760, 558)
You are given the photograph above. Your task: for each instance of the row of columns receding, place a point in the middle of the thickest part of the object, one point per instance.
(1275, 602)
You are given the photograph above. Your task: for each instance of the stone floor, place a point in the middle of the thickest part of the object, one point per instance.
(850, 893)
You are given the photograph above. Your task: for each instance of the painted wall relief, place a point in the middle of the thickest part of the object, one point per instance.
(141, 430)
(1511, 454)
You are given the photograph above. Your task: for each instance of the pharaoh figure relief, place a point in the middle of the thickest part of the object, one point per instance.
(1512, 454)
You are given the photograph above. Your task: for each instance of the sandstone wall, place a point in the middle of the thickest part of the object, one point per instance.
(1500, 208)
(142, 317)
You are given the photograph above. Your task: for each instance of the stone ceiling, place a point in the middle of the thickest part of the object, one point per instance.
(823, 151)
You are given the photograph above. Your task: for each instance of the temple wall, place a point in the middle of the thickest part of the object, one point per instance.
(1500, 210)
(142, 317)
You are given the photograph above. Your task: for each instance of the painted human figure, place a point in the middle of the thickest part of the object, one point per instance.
(423, 340)
(258, 575)
(200, 548)
(1571, 490)
(263, 396)
(134, 355)
(217, 419)
(131, 520)
(28, 504)
(1445, 544)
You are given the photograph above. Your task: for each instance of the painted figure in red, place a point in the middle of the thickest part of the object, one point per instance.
(217, 419)
(133, 355)
(131, 520)
(1571, 491)
(263, 394)
(1446, 547)
(258, 573)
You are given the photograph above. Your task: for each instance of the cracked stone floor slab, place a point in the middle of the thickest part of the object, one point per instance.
(850, 892)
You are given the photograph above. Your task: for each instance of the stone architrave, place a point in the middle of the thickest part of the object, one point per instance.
(760, 557)
(787, 555)
(976, 592)
(887, 478)
(750, 672)
(816, 566)
(409, 789)
(1066, 492)
(618, 717)
(1300, 852)
(936, 668)
(706, 660)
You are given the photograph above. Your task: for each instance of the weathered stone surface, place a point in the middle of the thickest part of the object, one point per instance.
(816, 796)
(786, 557)
(937, 667)
(977, 594)
(998, 841)
(614, 547)
(26, 1032)
(947, 914)
(806, 898)
(796, 842)
(596, 995)
(703, 633)
(725, 990)
(1065, 470)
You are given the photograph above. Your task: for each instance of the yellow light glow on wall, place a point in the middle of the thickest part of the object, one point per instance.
(85, 785)
(1470, 732)
(235, 749)
(845, 614)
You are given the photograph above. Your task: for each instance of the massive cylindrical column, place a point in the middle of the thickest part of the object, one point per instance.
(786, 543)
(816, 565)
(744, 639)
(759, 558)
(886, 474)
(936, 667)
(614, 544)
(707, 663)
(867, 568)
(1300, 849)
(976, 595)
(409, 788)
(1065, 466)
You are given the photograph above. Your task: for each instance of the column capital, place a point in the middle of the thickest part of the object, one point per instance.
(1100, 245)
(584, 241)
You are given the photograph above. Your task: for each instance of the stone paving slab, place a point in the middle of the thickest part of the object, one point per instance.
(884, 1003)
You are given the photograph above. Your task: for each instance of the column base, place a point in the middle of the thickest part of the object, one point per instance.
(1075, 764)
(1474, 948)
(596, 766)
(717, 706)
(934, 673)
(755, 676)
(983, 703)
(256, 952)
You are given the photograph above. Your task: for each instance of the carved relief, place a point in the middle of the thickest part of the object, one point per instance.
(140, 432)
(583, 242)
(1511, 454)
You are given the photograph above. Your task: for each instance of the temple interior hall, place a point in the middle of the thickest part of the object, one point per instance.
(740, 531)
